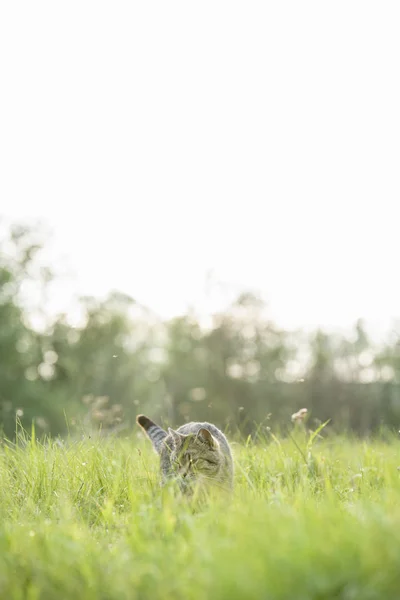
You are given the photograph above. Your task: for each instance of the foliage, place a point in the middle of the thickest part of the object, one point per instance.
(240, 371)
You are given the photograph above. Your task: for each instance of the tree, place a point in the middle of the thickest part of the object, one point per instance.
(21, 387)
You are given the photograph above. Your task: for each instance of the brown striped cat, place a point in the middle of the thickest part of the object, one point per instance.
(196, 453)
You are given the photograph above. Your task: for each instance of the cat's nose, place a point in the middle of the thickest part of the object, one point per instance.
(185, 473)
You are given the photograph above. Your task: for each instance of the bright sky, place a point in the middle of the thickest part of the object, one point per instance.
(162, 140)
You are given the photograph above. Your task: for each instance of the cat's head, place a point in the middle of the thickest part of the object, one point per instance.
(196, 455)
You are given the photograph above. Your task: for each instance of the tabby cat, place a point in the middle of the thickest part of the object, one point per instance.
(194, 453)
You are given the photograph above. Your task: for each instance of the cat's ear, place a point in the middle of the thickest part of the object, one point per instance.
(176, 437)
(205, 436)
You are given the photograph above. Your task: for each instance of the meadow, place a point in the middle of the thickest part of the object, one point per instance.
(310, 518)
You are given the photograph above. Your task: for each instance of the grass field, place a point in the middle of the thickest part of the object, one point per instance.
(88, 520)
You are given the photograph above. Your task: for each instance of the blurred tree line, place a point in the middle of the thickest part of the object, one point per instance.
(240, 371)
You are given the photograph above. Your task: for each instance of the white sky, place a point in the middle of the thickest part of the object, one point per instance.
(159, 140)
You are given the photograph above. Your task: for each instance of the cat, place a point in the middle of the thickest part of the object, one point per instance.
(196, 453)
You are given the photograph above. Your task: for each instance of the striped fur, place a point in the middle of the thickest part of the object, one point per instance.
(154, 432)
(194, 453)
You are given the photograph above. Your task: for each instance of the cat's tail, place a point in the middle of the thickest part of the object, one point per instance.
(154, 432)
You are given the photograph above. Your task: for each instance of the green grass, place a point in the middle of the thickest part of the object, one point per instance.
(88, 520)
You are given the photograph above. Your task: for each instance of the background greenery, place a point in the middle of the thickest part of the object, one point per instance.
(240, 371)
